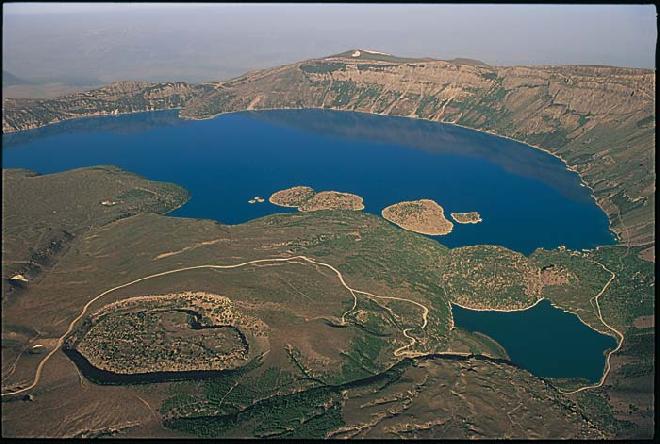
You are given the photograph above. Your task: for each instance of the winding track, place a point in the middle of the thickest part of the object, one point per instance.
(600, 316)
(617, 332)
(354, 292)
(398, 352)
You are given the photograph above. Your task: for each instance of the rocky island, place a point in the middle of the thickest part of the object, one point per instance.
(467, 218)
(332, 200)
(423, 216)
(306, 200)
(291, 197)
(256, 199)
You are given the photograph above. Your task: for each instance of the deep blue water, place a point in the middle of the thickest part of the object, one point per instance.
(526, 198)
(545, 340)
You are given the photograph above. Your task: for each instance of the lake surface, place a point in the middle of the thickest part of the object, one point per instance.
(545, 340)
(526, 197)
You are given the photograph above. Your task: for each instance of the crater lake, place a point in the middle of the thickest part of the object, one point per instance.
(527, 198)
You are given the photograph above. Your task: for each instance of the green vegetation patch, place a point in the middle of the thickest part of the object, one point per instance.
(490, 277)
(345, 91)
(641, 123)
(427, 105)
(594, 406)
(369, 94)
(373, 67)
(571, 281)
(632, 293)
(363, 358)
(551, 139)
(322, 68)
(625, 204)
(308, 414)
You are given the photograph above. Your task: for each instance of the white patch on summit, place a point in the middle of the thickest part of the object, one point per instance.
(375, 52)
(356, 54)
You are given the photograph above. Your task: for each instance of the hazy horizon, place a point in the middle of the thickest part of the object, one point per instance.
(98, 43)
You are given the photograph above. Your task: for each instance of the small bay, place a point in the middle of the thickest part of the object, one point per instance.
(543, 339)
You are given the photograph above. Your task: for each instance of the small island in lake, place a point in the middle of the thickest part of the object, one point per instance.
(306, 200)
(292, 197)
(467, 218)
(423, 216)
(332, 200)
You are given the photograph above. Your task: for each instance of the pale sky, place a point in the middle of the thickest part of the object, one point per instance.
(196, 42)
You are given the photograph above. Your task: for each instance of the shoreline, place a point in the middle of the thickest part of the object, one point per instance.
(282, 205)
(499, 310)
(90, 116)
(501, 347)
(607, 353)
(512, 310)
(617, 236)
(582, 320)
(415, 231)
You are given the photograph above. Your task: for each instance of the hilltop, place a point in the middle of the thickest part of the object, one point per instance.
(9, 79)
(371, 55)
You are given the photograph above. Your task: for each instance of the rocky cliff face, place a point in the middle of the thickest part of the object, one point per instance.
(116, 98)
(600, 120)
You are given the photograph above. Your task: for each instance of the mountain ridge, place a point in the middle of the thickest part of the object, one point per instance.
(9, 79)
